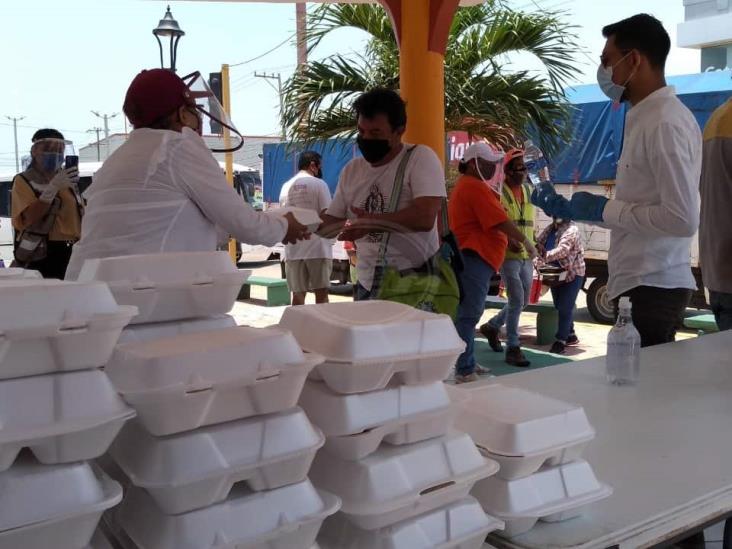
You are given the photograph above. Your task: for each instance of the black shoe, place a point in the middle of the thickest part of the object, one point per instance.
(515, 357)
(558, 348)
(572, 340)
(491, 334)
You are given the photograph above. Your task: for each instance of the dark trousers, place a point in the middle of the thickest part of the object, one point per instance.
(657, 312)
(721, 304)
(565, 297)
(56, 260)
(360, 293)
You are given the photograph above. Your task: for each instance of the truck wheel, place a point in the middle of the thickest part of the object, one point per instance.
(600, 307)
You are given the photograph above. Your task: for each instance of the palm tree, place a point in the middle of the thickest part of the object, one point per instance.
(483, 94)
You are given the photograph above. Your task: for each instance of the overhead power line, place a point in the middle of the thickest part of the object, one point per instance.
(285, 41)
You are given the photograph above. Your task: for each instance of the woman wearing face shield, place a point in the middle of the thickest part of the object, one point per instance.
(482, 228)
(46, 208)
(163, 190)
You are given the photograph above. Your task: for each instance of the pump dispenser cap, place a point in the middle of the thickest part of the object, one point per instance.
(625, 303)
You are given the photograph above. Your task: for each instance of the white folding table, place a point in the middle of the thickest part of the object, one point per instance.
(664, 445)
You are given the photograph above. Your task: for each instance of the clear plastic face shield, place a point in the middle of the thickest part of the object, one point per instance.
(491, 173)
(49, 153)
(213, 120)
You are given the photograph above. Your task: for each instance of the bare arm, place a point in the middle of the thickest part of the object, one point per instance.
(419, 217)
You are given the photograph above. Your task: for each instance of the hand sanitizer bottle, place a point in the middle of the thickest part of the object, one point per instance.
(623, 348)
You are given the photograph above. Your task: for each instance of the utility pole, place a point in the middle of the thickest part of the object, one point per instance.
(15, 137)
(301, 33)
(229, 156)
(97, 129)
(278, 89)
(106, 118)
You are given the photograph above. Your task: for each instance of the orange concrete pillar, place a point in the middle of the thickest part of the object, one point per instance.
(422, 28)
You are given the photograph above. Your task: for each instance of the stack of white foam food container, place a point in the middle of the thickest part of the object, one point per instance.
(219, 453)
(58, 410)
(390, 453)
(539, 442)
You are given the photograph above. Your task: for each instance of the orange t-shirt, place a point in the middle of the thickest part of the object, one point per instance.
(475, 210)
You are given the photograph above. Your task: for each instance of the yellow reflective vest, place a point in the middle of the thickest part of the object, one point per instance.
(521, 214)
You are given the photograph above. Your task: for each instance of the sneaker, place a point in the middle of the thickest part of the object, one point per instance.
(482, 370)
(558, 348)
(572, 340)
(491, 334)
(467, 378)
(515, 357)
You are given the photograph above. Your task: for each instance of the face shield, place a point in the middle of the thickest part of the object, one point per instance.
(213, 119)
(49, 153)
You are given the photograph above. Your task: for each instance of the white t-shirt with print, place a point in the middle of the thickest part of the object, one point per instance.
(364, 186)
(312, 193)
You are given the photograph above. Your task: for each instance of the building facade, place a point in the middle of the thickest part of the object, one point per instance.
(707, 26)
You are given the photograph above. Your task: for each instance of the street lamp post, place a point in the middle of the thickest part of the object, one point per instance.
(168, 28)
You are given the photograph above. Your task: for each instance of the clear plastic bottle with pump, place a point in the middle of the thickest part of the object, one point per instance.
(535, 163)
(622, 362)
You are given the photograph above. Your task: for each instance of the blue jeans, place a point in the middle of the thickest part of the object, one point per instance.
(516, 275)
(721, 304)
(474, 279)
(564, 297)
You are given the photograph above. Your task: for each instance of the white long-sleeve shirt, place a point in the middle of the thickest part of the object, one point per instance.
(163, 191)
(655, 213)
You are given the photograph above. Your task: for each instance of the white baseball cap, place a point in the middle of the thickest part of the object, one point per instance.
(484, 151)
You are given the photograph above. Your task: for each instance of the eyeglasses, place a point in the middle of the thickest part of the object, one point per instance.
(518, 170)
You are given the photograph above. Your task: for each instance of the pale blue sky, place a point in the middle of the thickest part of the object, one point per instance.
(61, 60)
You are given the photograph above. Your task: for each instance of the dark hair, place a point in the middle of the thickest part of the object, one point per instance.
(462, 166)
(382, 101)
(512, 162)
(46, 133)
(644, 33)
(306, 157)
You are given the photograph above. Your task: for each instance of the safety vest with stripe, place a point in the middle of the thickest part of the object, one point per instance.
(521, 214)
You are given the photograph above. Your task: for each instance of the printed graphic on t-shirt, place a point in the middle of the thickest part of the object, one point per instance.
(374, 203)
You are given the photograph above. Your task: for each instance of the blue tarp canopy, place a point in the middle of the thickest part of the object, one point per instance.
(597, 125)
(592, 155)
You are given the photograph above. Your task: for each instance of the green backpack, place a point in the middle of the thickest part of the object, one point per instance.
(431, 287)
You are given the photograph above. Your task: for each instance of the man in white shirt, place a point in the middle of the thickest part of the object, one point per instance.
(308, 264)
(655, 212)
(162, 190)
(365, 186)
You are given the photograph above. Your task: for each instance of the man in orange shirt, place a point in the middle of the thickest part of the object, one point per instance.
(482, 228)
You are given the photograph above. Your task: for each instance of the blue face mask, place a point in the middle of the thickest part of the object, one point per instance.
(51, 162)
(605, 81)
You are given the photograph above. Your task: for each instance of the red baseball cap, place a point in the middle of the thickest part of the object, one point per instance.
(153, 94)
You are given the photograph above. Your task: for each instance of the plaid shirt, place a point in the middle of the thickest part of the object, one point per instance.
(567, 251)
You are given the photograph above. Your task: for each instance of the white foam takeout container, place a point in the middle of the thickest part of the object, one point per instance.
(170, 286)
(396, 483)
(198, 468)
(309, 218)
(162, 330)
(552, 494)
(51, 326)
(523, 430)
(59, 506)
(284, 518)
(61, 417)
(459, 525)
(356, 424)
(15, 273)
(366, 343)
(181, 383)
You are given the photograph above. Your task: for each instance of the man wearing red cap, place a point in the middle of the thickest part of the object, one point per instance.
(163, 190)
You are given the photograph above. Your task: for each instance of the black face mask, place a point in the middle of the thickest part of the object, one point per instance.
(373, 150)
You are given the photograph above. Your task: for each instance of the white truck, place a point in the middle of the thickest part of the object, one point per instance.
(596, 241)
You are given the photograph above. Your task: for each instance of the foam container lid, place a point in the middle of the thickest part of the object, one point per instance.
(200, 360)
(371, 331)
(34, 409)
(162, 330)
(33, 493)
(338, 414)
(212, 451)
(516, 422)
(549, 491)
(245, 520)
(170, 286)
(394, 477)
(14, 273)
(462, 524)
